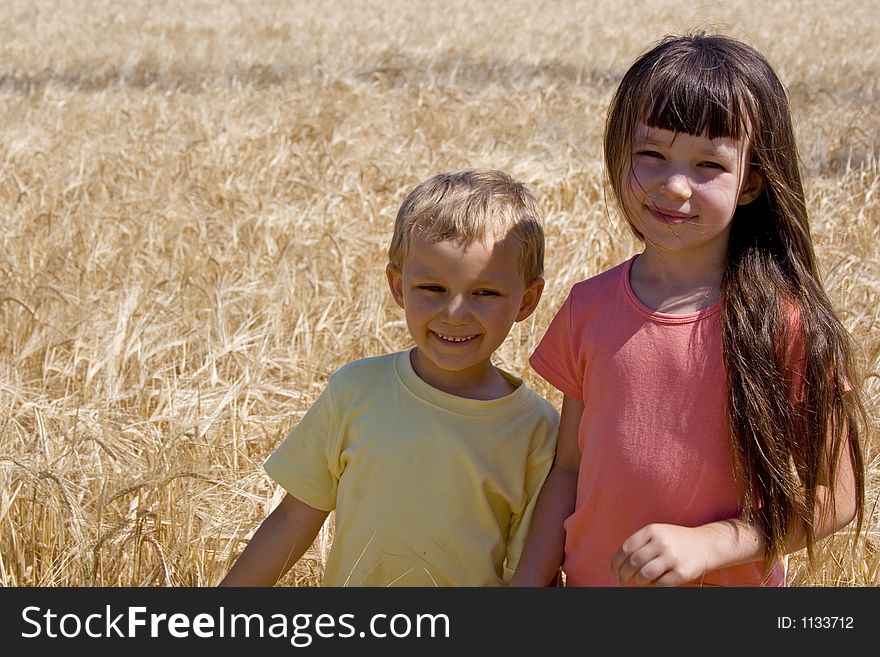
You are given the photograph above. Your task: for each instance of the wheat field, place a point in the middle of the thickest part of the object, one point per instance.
(196, 203)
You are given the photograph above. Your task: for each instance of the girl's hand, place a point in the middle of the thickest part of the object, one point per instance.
(661, 555)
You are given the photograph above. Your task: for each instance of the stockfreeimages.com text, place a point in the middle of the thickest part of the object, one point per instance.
(300, 629)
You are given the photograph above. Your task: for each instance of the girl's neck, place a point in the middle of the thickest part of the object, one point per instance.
(675, 285)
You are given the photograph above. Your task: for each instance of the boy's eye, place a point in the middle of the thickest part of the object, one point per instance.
(431, 288)
(487, 293)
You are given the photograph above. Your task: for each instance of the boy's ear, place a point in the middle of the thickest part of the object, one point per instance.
(530, 299)
(752, 187)
(395, 282)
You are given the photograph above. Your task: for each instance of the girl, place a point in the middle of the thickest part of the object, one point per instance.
(710, 422)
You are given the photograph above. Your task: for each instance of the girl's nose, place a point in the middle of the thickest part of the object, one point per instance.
(676, 185)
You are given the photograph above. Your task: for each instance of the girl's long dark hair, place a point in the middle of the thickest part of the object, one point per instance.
(790, 426)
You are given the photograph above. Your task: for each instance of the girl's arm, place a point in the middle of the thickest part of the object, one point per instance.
(543, 550)
(670, 555)
(277, 545)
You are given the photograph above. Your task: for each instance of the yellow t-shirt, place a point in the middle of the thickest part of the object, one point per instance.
(429, 489)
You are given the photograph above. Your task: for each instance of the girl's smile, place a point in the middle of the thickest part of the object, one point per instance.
(669, 216)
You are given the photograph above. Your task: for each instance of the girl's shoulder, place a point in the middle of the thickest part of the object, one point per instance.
(609, 281)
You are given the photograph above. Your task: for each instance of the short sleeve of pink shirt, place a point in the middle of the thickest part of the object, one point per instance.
(555, 359)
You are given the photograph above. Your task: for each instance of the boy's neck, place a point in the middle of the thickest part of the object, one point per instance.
(483, 382)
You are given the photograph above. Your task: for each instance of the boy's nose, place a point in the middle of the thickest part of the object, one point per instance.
(456, 308)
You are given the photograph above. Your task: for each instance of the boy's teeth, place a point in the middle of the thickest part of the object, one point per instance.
(450, 338)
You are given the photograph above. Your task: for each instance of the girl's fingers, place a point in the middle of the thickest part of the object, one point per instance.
(639, 566)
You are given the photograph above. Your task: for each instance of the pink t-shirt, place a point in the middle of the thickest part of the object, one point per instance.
(654, 441)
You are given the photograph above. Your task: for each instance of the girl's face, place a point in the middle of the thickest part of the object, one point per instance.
(682, 190)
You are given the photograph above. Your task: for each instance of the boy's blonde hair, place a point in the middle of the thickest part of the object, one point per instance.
(471, 205)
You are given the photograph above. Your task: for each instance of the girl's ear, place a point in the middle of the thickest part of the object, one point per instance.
(753, 185)
(395, 282)
(530, 299)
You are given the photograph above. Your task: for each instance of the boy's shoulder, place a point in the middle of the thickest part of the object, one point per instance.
(366, 369)
(530, 399)
(542, 406)
(362, 381)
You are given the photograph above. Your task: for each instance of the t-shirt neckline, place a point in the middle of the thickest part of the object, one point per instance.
(657, 316)
(454, 403)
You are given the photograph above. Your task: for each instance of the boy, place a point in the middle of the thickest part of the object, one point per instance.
(432, 458)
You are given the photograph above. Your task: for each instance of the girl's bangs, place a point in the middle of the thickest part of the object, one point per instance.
(699, 101)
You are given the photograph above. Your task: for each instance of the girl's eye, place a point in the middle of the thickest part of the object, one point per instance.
(648, 153)
(713, 165)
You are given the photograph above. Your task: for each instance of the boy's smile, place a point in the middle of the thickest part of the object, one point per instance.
(460, 302)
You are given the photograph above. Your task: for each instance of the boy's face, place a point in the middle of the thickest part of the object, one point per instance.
(460, 303)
